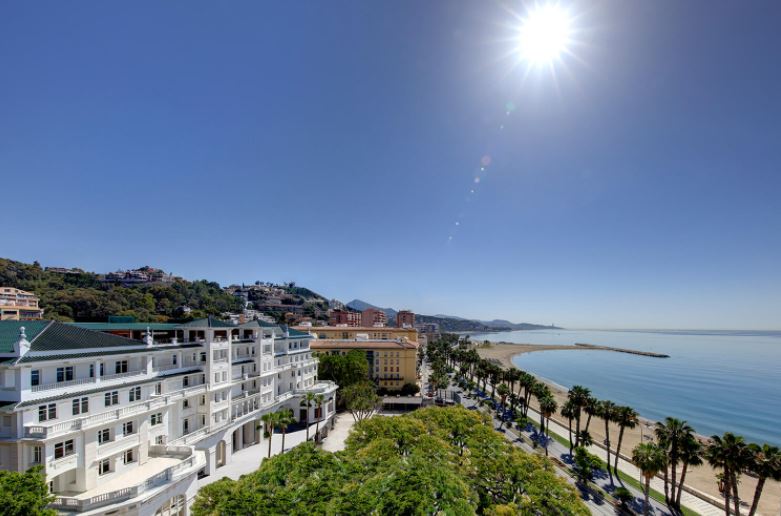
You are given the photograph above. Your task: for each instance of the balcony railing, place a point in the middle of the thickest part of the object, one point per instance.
(170, 474)
(88, 380)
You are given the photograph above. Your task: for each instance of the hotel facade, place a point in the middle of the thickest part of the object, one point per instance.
(127, 427)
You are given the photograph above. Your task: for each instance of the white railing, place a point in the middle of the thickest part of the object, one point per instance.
(57, 385)
(170, 474)
(117, 445)
(57, 466)
(123, 375)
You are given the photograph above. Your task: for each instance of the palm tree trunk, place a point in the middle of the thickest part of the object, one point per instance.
(673, 484)
(307, 424)
(317, 428)
(618, 451)
(570, 435)
(666, 486)
(735, 497)
(270, 435)
(577, 428)
(684, 467)
(725, 480)
(757, 495)
(646, 503)
(588, 422)
(283, 442)
(607, 448)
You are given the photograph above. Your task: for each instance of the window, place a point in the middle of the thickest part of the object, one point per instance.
(203, 356)
(173, 359)
(104, 467)
(128, 428)
(160, 439)
(47, 412)
(64, 374)
(120, 366)
(37, 454)
(129, 457)
(157, 418)
(159, 388)
(135, 394)
(102, 369)
(63, 449)
(80, 406)
(104, 436)
(111, 398)
(186, 381)
(186, 404)
(35, 377)
(92, 370)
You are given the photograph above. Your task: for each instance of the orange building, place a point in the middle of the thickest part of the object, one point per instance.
(405, 319)
(373, 317)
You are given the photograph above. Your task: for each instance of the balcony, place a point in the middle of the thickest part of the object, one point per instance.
(157, 472)
(86, 381)
(124, 442)
(58, 466)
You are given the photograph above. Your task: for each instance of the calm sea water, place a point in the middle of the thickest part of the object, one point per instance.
(716, 380)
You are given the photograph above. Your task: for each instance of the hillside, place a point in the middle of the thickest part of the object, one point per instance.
(82, 296)
(455, 323)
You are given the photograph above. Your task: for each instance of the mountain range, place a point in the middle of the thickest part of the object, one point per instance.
(454, 323)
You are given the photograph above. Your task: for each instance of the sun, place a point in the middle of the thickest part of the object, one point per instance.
(544, 34)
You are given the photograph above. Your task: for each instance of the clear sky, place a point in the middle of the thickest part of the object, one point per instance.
(336, 144)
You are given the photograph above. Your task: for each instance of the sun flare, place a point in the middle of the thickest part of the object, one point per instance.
(545, 34)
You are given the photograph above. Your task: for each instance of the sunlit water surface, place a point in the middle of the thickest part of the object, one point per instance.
(717, 380)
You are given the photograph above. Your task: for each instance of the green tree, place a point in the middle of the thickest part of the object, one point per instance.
(284, 419)
(730, 454)
(625, 417)
(765, 462)
(344, 370)
(650, 459)
(319, 401)
(361, 400)
(25, 493)
(607, 411)
(308, 401)
(269, 422)
(585, 465)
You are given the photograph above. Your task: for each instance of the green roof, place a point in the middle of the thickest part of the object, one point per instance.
(111, 326)
(296, 333)
(40, 358)
(9, 332)
(257, 323)
(208, 322)
(58, 336)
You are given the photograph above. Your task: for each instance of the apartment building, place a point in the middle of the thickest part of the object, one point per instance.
(405, 319)
(357, 332)
(16, 304)
(339, 317)
(392, 363)
(373, 317)
(125, 426)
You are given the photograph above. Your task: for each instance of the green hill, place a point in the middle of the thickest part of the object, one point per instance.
(81, 296)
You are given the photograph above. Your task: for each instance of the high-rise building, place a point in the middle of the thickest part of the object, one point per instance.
(344, 318)
(373, 317)
(16, 304)
(123, 426)
(405, 319)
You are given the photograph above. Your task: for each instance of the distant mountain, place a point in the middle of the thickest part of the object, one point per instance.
(453, 322)
(357, 304)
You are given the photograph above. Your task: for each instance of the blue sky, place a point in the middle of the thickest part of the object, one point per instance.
(336, 143)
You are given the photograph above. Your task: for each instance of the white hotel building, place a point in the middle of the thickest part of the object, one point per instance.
(125, 426)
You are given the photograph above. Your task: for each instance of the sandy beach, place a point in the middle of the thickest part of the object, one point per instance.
(702, 478)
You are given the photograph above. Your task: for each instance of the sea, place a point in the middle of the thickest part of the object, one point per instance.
(718, 381)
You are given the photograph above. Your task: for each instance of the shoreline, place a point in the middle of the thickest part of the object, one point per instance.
(701, 478)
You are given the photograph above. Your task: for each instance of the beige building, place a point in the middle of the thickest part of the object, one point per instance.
(392, 363)
(16, 305)
(361, 332)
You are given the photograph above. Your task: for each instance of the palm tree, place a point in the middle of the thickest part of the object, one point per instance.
(765, 463)
(625, 417)
(319, 400)
(269, 422)
(503, 391)
(591, 408)
(649, 459)
(670, 435)
(548, 407)
(568, 411)
(308, 401)
(284, 419)
(731, 455)
(690, 455)
(607, 410)
(578, 395)
(527, 381)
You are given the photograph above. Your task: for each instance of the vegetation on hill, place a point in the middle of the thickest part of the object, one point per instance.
(83, 297)
(432, 461)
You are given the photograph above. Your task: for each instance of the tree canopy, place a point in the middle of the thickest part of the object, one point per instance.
(434, 460)
(25, 494)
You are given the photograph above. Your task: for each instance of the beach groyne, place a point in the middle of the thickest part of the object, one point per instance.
(621, 350)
